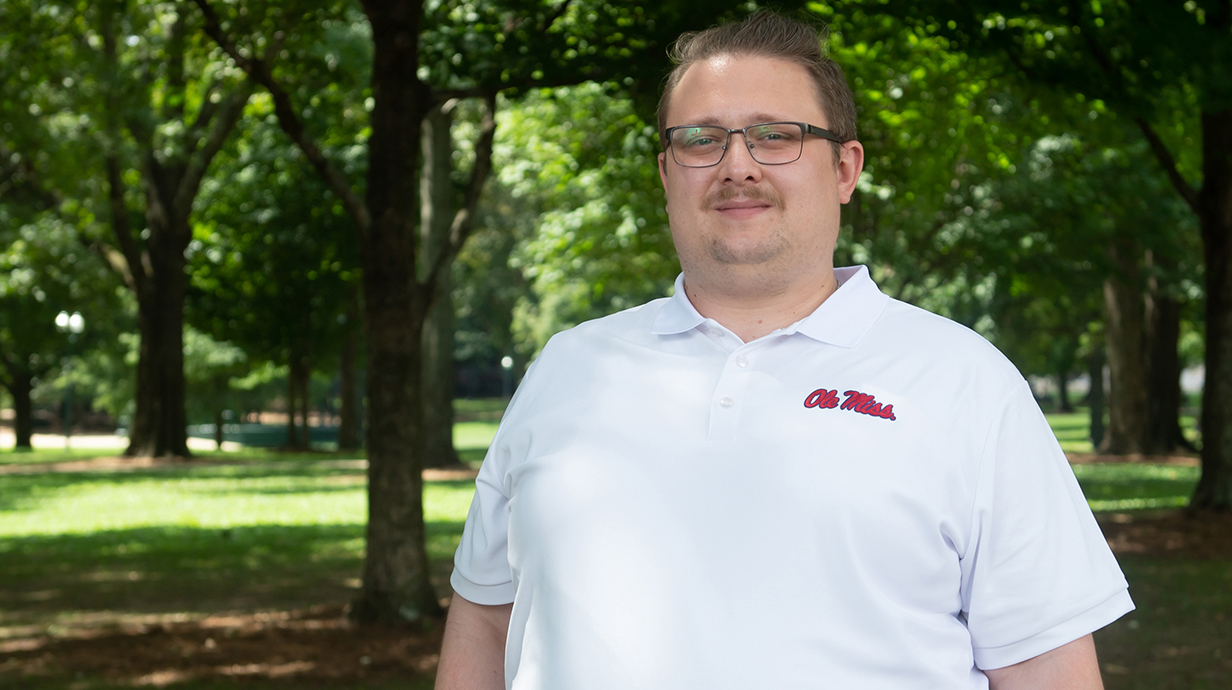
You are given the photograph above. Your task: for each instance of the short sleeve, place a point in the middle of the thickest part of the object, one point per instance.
(1038, 572)
(481, 571)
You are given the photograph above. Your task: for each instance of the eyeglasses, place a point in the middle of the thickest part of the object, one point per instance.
(770, 143)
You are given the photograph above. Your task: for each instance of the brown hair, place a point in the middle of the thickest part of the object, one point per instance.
(767, 34)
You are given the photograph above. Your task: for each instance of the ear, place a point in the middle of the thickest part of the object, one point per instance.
(663, 169)
(849, 167)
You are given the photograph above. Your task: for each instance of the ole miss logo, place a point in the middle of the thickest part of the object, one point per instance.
(855, 401)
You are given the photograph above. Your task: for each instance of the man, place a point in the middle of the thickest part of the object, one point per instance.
(778, 477)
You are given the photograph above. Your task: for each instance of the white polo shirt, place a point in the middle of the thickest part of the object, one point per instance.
(869, 498)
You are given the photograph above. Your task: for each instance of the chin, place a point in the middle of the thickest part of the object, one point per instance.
(760, 254)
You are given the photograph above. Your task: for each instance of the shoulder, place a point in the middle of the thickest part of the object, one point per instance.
(581, 347)
(941, 345)
(633, 325)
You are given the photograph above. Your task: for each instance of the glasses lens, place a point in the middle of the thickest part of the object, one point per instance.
(776, 142)
(698, 146)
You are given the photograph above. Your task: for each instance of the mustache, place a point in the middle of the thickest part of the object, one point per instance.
(766, 194)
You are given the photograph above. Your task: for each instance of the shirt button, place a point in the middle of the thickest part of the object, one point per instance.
(742, 361)
(727, 402)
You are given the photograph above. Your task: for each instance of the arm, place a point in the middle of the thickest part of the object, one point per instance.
(473, 651)
(1069, 667)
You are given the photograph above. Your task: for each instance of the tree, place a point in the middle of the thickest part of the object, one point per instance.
(274, 270)
(157, 110)
(1163, 67)
(581, 161)
(44, 270)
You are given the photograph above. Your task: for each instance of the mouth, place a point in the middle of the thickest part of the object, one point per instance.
(735, 203)
(741, 204)
(741, 209)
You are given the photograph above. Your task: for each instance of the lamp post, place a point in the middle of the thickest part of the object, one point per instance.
(507, 380)
(73, 324)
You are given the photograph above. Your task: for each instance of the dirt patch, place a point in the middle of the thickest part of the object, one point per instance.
(1171, 534)
(318, 643)
(1138, 459)
(449, 474)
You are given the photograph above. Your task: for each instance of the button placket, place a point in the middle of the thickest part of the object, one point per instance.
(730, 395)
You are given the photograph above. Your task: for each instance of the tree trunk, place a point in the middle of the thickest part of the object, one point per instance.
(305, 401)
(396, 587)
(160, 422)
(1163, 372)
(436, 218)
(348, 422)
(218, 430)
(23, 412)
(1063, 402)
(220, 401)
(1095, 397)
(1214, 489)
(292, 383)
(1124, 306)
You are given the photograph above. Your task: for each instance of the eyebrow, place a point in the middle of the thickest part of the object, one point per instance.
(757, 118)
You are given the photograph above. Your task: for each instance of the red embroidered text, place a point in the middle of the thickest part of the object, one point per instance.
(856, 401)
(826, 400)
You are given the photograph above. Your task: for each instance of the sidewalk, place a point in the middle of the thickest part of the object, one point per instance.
(106, 442)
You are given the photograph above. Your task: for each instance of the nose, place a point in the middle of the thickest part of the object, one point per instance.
(738, 164)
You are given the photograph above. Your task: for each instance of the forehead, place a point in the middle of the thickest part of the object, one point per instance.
(739, 90)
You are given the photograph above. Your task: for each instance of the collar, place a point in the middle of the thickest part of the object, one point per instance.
(842, 320)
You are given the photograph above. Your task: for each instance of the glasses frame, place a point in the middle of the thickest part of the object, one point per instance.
(805, 128)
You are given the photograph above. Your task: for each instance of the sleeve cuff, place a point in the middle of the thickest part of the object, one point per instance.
(487, 595)
(1082, 624)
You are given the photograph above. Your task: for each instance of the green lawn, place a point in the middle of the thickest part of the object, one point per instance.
(1073, 429)
(271, 532)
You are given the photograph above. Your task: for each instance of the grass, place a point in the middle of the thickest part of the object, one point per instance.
(11, 456)
(1073, 429)
(271, 531)
(235, 535)
(1121, 487)
(1177, 639)
(471, 439)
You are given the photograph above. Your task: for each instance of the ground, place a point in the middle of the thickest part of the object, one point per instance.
(318, 644)
(319, 647)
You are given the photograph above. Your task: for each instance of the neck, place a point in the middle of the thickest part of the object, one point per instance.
(754, 311)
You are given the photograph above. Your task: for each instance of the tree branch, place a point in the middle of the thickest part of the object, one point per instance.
(464, 219)
(1161, 151)
(556, 14)
(135, 270)
(289, 119)
(192, 135)
(228, 115)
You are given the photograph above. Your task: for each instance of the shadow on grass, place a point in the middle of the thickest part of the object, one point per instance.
(186, 569)
(1178, 638)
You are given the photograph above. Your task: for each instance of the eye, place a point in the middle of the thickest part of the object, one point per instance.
(776, 134)
(699, 137)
